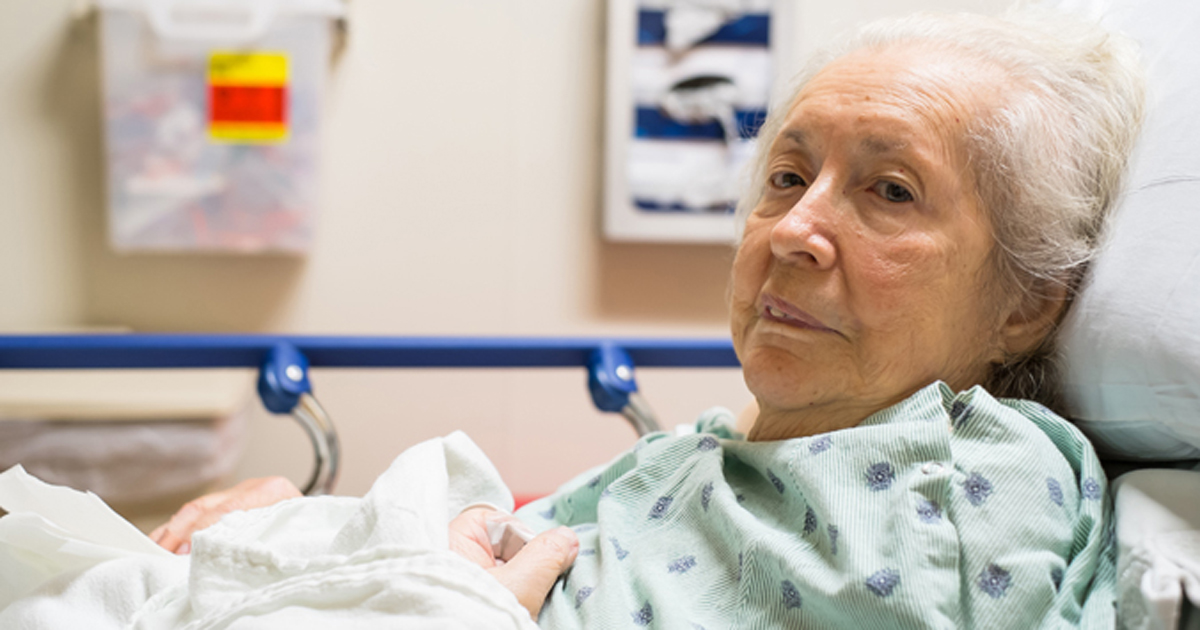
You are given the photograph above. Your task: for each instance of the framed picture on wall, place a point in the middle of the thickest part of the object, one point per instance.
(688, 83)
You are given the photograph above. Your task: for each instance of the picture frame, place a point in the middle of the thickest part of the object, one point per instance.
(687, 88)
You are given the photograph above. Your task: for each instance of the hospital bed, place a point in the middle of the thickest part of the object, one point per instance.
(1146, 504)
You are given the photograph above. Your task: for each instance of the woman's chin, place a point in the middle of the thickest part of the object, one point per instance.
(786, 363)
(779, 388)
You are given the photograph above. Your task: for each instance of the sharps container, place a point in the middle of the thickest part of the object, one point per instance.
(212, 110)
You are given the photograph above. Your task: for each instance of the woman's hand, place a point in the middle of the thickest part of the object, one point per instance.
(532, 572)
(197, 514)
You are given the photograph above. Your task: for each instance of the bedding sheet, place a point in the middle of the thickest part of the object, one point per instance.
(67, 561)
(1158, 543)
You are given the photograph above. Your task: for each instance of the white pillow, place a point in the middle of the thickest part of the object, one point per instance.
(1132, 343)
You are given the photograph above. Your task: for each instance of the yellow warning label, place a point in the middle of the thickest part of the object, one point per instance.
(247, 97)
(247, 68)
(249, 133)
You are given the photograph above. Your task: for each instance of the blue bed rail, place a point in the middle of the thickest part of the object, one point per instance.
(216, 351)
(283, 362)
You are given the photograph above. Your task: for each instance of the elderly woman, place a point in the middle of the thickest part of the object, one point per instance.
(922, 209)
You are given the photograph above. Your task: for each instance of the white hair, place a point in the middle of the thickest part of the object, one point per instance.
(1048, 159)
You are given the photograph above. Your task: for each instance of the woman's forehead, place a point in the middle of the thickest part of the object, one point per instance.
(896, 95)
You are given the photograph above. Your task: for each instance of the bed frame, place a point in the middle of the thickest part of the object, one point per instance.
(283, 364)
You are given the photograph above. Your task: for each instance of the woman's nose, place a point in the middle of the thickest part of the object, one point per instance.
(804, 236)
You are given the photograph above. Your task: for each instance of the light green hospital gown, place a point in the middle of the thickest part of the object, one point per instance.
(944, 511)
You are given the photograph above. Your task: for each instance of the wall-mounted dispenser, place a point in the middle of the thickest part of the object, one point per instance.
(211, 113)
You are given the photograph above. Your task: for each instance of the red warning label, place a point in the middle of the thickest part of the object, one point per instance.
(247, 95)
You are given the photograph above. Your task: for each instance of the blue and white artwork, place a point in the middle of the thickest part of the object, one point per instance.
(687, 98)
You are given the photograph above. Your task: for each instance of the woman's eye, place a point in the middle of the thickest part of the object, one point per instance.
(787, 180)
(893, 192)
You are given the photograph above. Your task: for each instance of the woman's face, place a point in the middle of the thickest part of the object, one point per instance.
(861, 276)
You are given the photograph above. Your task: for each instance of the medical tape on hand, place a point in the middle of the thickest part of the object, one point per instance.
(506, 533)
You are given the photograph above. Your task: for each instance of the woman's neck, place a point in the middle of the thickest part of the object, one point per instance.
(785, 424)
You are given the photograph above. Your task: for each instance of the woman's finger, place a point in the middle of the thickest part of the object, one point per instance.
(200, 513)
(468, 537)
(533, 571)
(171, 542)
(179, 529)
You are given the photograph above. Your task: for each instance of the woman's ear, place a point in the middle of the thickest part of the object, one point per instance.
(1034, 317)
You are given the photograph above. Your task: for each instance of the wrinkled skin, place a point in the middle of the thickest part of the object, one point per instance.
(865, 270)
(532, 572)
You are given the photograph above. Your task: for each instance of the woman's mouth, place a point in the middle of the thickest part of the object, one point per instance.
(781, 311)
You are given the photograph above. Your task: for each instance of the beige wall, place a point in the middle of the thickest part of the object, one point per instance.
(460, 196)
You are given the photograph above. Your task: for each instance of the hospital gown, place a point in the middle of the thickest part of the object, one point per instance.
(944, 511)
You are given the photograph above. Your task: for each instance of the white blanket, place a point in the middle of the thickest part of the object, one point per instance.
(68, 561)
(1158, 540)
